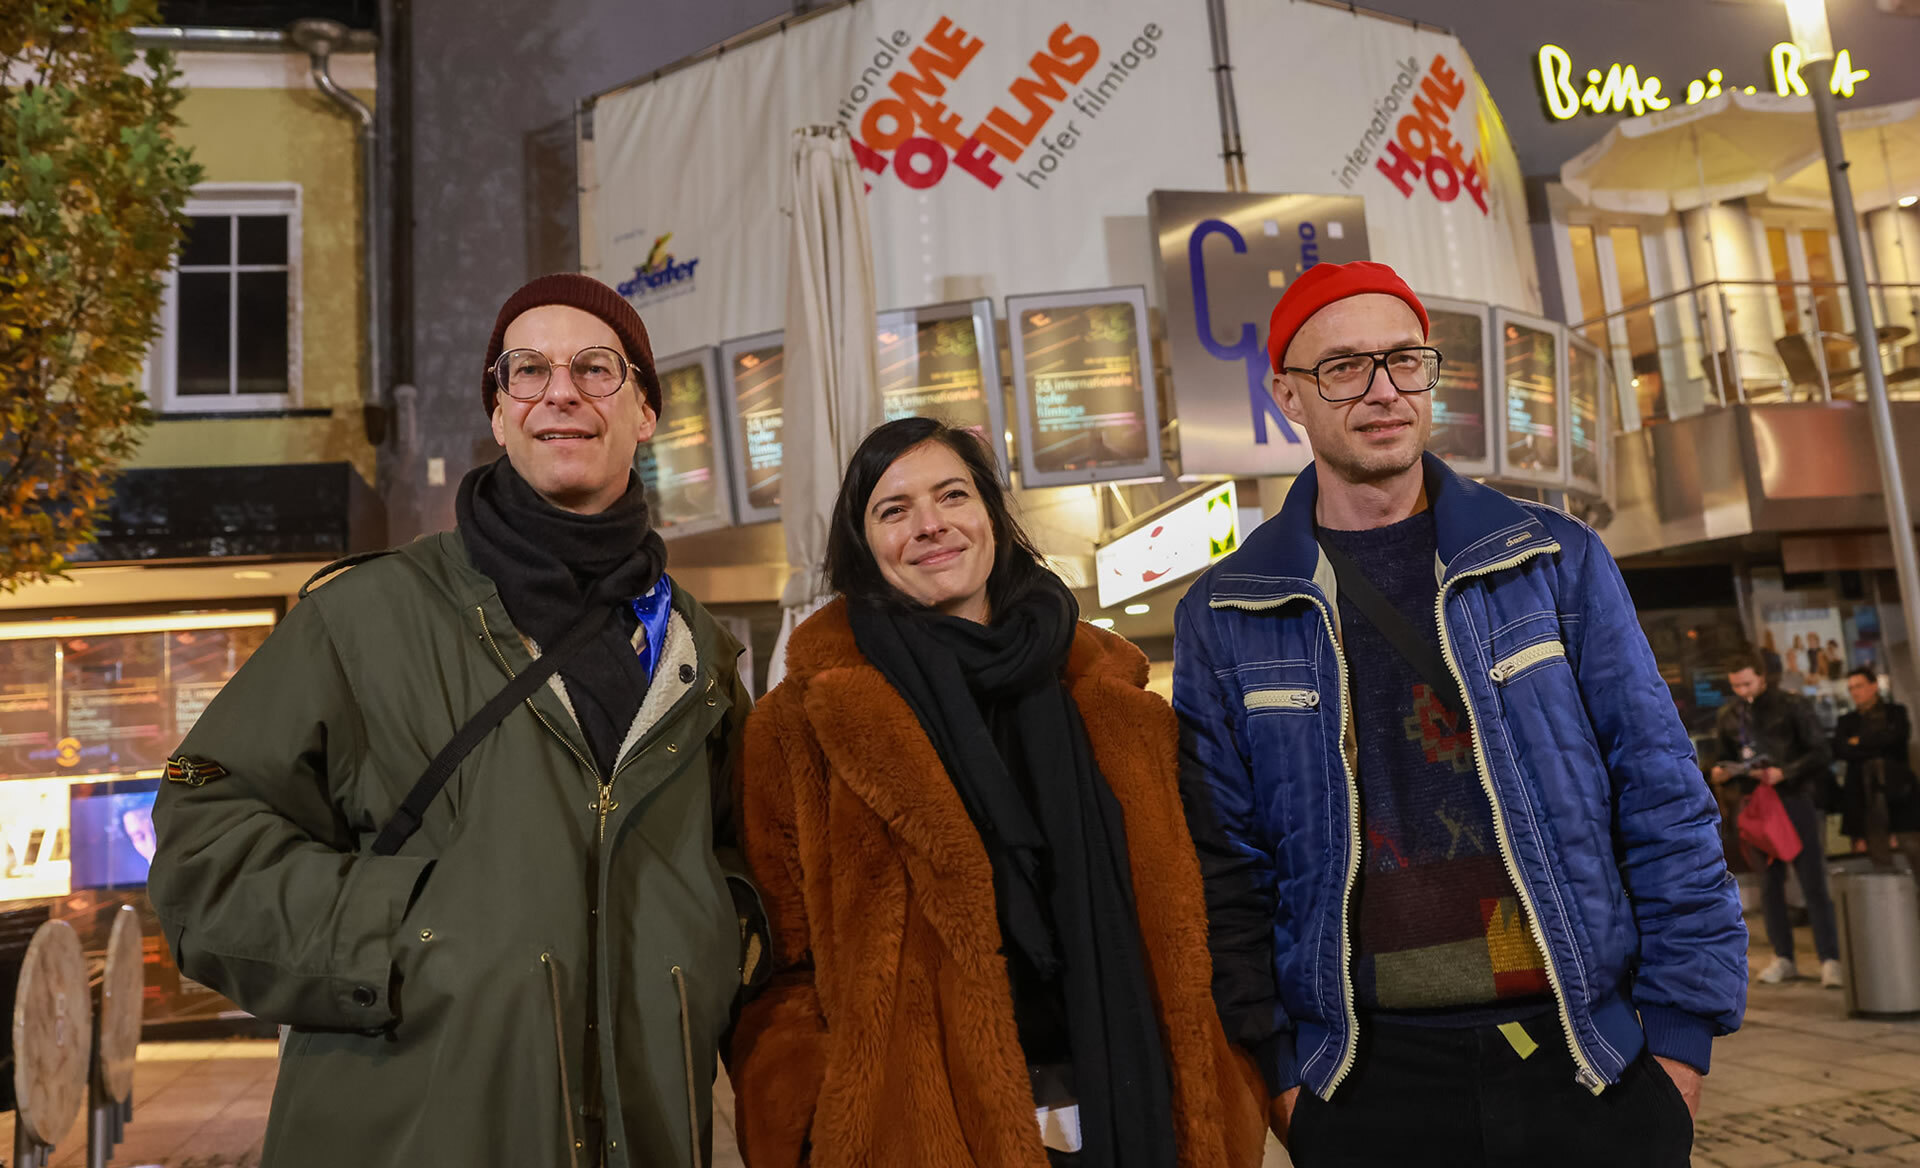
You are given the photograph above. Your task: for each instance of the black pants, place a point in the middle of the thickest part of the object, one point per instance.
(1811, 866)
(1445, 1098)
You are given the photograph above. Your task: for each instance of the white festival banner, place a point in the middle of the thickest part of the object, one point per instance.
(1011, 149)
(1400, 118)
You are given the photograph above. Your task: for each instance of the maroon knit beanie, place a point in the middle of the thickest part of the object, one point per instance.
(590, 296)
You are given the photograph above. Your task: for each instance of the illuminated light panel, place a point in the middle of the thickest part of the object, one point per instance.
(109, 626)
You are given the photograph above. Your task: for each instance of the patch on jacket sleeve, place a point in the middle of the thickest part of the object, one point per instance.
(193, 772)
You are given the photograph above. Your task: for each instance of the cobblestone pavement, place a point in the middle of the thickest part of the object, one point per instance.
(1867, 1131)
(1802, 1084)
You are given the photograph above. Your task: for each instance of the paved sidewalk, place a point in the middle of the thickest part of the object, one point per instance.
(195, 1105)
(204, 1105)
(1803, 1084)
(1800, 1084)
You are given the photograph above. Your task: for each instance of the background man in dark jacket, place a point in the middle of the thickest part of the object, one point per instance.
(1464, 893)
(1767, 735)
(1879, 806)
(541, 973)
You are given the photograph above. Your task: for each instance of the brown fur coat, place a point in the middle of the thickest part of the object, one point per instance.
(886, 1036)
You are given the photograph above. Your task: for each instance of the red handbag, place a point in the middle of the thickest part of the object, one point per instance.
(1764, 825)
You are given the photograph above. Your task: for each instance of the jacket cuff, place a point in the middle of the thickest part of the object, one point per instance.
(1678, 1035)
(1279, 1063)
(380, 890)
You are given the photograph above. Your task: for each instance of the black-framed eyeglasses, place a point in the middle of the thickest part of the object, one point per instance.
(523, 374)
(1346, 377)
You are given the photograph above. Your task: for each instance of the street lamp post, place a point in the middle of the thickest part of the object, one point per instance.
(1808, 19)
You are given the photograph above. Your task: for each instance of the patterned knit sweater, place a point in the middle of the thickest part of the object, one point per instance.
(1440, 935)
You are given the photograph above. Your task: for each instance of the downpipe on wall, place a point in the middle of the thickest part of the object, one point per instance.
(320, 39)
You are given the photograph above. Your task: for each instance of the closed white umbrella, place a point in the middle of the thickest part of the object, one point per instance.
(1686, 156)
(832, 393)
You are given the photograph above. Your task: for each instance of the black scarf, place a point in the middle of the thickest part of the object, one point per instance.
(1061, 883)
(550, 566)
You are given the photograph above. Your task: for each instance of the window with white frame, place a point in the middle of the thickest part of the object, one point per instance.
(230, 321)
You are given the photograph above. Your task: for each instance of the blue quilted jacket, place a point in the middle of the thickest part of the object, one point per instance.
(1600, 811)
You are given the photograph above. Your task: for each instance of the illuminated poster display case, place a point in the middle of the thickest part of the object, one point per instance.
(752, 379)
(1589, 425)
(1531, 405)
(90, 709)
(1084, 387)
(943, 361)
(1463, 402)
(682, 466)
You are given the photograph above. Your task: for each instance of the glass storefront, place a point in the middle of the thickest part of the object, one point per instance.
(89, 710)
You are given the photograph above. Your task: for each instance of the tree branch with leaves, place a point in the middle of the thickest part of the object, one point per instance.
(93, 188)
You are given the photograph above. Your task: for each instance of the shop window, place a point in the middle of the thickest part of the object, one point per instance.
(1803, 256)
(230, 323)
(89, 709)
(1586, 272)
(1781, 259)
(1643, 342)
(1821, 269)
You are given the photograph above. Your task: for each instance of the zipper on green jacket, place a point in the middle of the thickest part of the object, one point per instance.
(604, 805)
(590, 1087)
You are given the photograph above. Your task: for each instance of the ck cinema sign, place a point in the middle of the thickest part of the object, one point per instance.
(1622, 87)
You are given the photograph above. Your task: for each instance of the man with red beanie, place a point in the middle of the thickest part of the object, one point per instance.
(463, 823)
(1466, 896)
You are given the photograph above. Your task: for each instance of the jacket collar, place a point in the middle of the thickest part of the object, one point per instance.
(1475, 526)
(874, 744)
(442, 558)
(825, 641)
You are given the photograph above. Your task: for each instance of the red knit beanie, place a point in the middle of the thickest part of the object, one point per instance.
(590, 296)
(1321, 285)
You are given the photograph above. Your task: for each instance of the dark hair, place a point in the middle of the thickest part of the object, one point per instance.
(850, 569)
(1866, 672)
(1746, 657)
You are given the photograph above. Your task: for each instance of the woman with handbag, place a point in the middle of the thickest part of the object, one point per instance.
(961, 805)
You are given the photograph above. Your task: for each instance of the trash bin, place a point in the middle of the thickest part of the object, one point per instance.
(1879, 921)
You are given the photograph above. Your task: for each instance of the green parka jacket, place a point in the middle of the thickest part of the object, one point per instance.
(543, 973)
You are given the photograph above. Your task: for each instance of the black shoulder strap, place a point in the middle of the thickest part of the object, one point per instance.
(1418, 651)
(413, 809)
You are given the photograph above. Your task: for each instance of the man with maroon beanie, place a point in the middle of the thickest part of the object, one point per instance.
(503, 924)
(1466, 896)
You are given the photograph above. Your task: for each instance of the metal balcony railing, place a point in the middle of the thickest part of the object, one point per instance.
(1736, 341)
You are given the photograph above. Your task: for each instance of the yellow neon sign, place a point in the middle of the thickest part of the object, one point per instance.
(1786, 72)
(1616, 90)
(1622, 88)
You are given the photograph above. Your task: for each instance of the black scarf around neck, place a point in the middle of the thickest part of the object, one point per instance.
(551, 566)
(1061, 882)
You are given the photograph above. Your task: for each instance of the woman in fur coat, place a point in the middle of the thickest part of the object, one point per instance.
(989, 937)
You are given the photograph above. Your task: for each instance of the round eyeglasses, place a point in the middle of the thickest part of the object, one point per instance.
(1347, 377)
(523, 374)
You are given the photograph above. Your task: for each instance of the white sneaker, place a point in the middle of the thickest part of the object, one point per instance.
(1830, 978)
(1781, 970)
